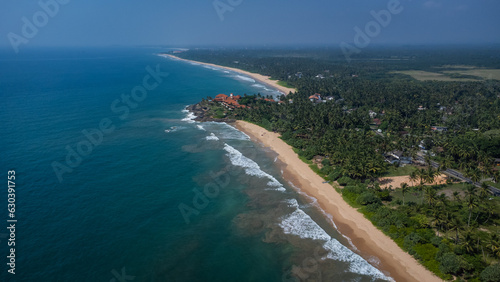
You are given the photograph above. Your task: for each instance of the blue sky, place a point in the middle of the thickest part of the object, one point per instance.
(248, 22)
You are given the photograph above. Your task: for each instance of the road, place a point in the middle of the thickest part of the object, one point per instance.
(456, 174)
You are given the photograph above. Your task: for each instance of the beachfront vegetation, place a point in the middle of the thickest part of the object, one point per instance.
(452, 229)
(449, 235)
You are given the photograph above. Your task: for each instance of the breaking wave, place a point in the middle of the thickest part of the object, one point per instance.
(190, 117)
(300, 224)
(245, 78)
(251, 167)
(212, 137)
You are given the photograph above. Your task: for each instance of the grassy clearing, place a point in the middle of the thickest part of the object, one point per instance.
(426, 75)
(458, 73)
(483, 73)
(399, 171)
(457, 67)
(412, 196)
(284, 84)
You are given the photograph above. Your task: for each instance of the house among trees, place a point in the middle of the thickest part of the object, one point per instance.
(376, 121)
(316, 98)
(439, 128)
(397, 157)
(220, 98)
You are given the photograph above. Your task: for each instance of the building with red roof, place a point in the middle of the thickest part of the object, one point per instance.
(230, 101)
(221, 98)
(315, 98)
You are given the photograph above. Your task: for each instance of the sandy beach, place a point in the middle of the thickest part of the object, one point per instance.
(258, 77)
(370, 241)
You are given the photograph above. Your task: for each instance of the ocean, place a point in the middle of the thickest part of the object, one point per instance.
(114, 181)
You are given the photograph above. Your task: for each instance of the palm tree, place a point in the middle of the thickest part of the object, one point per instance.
(439, 219)
(484, 191)
(430, 175)
(430, 195)
(474, 175)
(496, 176)
(421, 173)
(427, 159)
(493, 245)
(414, 177)
(443, 200)
(484, 160)
(490, 209)
(404, 189)
(455, 225)
(456, 196)
(471, 200)
(446, 163)
(468, 242)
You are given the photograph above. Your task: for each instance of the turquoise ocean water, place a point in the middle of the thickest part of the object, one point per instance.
(115, 188)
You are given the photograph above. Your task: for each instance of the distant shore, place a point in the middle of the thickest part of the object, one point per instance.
(258, 77)
(394, 262)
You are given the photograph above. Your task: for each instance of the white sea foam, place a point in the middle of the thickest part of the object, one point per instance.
(226, 72)
(225, 131)
(200, 127)
(259, 85)
(279, 189)
(212, 137)
(300, 224)
(174, 129)
(190, 117)
(251, 167)
(210, 67)
(232, 133)
(314, 202)
(164, 56)
(245, 78)
(292, 203)
(263, 87)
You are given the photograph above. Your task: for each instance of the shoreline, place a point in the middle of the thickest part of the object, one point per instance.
(258, 77)
(370, 241)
